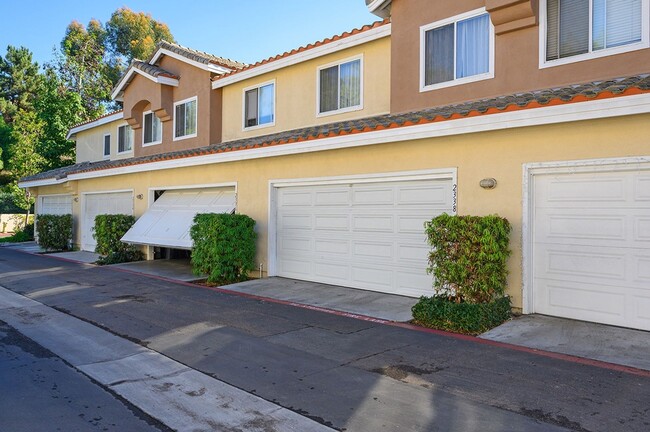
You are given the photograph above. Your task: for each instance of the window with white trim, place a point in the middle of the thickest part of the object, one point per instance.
(124, 139)
(339, 87)
(152, 130)
(577, 27)
(457, 50)
(107, 146)
(259, 106)
(185, 119)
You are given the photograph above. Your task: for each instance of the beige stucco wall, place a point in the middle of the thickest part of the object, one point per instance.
(90, 143)
(295, 89)
(498, 154)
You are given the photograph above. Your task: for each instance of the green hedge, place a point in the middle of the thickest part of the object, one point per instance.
(470, 318)
(26, 234)
(54, 231)
(224, 246)
(469, 256)
(108, 230)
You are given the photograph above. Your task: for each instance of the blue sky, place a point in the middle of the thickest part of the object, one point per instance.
(244, 30)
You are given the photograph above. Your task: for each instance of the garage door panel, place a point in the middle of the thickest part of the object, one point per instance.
(333, 197)
(102, 203)
(591, 246)
(374, 196)
(438, 196)
(370, 223)
(366, 235)
(56, 204)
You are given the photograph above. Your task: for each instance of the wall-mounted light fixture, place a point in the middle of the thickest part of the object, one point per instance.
(139, 196)
(76, 199)
(488, 183)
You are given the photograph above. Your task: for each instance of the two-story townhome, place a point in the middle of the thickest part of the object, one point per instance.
(341, 150)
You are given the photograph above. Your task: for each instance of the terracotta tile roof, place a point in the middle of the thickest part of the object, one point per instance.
(306, 47)
(618, 87)
(198, 56)
(96, 118)
(152, 70)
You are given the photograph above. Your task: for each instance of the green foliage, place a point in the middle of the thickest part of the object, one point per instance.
(54, 231)
(224, 246)
(82, 66)
(59, 109)
(135, 34)
(26, 234)
(469, 256)
(19, 82)
(470, 318)
(108, 231)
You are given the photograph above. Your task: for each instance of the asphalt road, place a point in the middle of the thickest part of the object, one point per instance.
(347, 374)
(42, 393)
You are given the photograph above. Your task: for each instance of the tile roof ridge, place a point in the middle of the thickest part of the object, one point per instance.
(209, 57)
(307, 47)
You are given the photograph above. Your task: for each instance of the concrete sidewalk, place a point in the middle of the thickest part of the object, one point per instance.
(176, 395)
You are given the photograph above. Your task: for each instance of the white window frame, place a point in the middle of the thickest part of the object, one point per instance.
(456, 81)
(117, 134)
(243, 106)
(339, 63)
(182, 102)
(144, 114)
(110, 143)
(644, 43)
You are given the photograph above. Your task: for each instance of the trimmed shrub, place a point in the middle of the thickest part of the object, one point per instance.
(470, 318)
(108, 230)
(54, 231)
(469, 256)
(224, 246)
(26, 234)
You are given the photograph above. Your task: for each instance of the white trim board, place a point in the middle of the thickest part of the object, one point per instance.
(528, 212)
(309, 54)
(125, 80)
(210, 67)
(100, 121)
(605, 108)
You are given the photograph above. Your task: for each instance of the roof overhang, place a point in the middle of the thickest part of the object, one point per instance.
(100, 121)
(553, 114)
(318, 51)
(118, 92)
(381, 8)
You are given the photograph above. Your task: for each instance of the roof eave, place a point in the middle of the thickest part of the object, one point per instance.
(381, 8)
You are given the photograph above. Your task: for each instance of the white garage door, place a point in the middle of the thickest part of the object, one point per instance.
(361, 235)
(102, 203)
(168, 221)
(55, 204)
(591, 247)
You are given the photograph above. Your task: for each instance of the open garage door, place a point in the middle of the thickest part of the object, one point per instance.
(168, 221)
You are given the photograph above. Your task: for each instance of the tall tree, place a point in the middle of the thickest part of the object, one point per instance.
(24, 158)
(83, 68)
(19, 81)
(132, 34)
(58, 108)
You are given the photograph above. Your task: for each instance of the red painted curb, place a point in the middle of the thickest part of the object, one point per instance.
(548, 354)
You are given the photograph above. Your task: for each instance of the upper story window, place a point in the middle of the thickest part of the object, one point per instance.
(107, 146)
(152, 130)
(340, 87)
(582, 29)
(457, 50)
(124, 139)
(185, 119)
(259, 106)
